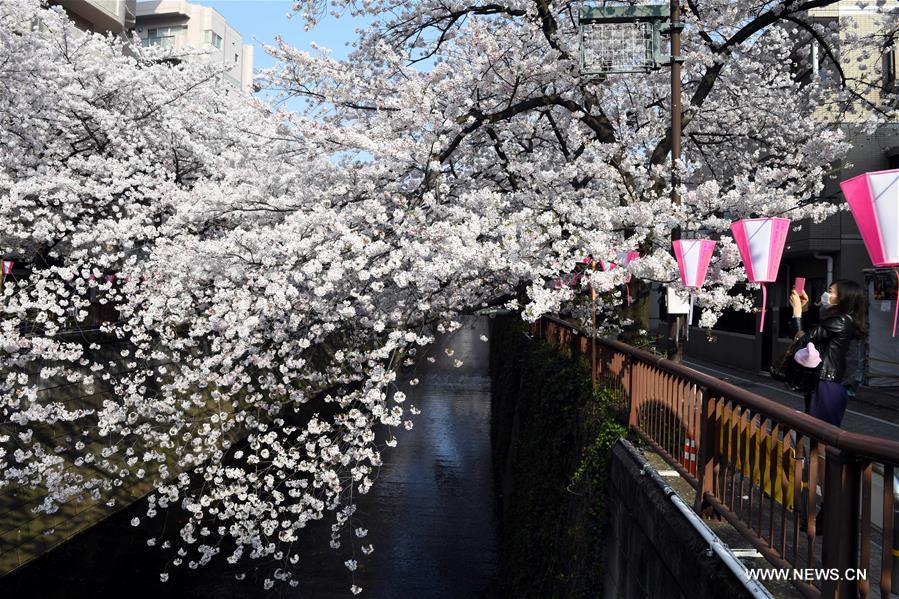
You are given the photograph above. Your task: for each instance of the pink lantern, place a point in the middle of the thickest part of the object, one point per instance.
(623, 259)
(761, 243)
(874, 200)
(693, 257)
(7, 267)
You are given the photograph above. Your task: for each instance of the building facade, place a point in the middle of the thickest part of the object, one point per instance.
(179, 24)
(102, 16)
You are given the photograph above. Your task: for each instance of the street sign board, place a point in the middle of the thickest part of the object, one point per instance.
(621, 39)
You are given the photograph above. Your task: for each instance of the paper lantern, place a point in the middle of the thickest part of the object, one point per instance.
(5, 269)
(874, 200)
(693, 257)
(622, 259)
(761, 244)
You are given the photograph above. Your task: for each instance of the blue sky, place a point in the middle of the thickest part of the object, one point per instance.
(259, 21)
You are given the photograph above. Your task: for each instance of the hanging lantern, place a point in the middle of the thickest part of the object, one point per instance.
(693, 257)
(622, 259)
(5, 269)
(761, 243)
(874, 200)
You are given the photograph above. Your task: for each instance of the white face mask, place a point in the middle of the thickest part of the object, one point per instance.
(825, 298)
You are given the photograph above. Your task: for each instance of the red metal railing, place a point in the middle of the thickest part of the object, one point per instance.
(747, 458)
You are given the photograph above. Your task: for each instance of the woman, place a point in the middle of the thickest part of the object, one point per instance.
(843, 322)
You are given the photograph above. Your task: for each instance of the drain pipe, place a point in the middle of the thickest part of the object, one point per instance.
(829, 259)
(716, 545)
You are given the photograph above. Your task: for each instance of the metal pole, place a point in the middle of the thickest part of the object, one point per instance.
(676, 113)
(675, 105)
(593, 336)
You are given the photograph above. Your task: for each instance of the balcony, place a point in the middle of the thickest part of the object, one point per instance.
(104, 15)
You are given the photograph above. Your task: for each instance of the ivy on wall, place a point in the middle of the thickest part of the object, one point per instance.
(552, 441)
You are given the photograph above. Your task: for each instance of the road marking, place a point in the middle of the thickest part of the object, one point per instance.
(700, 367)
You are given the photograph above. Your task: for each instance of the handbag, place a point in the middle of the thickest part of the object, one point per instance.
(793, 374)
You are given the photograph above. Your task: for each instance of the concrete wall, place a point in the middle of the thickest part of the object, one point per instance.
(563, 538)
(652, 550)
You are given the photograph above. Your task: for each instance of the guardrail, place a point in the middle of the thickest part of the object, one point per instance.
(747, 458)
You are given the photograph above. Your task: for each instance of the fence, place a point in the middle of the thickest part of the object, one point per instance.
(747, 458)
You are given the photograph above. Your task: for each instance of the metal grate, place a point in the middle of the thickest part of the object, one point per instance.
(617, 48)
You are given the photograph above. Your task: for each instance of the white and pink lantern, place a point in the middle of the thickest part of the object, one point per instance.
(693, 257)
(7, 267)
(761, 244)
(622, 259)
(874, 200)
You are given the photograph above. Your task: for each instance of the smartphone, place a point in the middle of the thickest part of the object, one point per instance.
(799, 286)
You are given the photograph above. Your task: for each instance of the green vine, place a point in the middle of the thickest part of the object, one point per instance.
(593, 471)
(553, 439)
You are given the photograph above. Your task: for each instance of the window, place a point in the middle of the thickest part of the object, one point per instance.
(212, 38)
(889, 67)
(163, 36)
(237, 58)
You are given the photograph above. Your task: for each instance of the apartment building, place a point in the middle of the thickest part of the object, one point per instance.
(832, 249)
(113, 16)
(179, 24)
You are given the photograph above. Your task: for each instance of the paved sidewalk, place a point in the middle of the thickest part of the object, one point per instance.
(872, 412)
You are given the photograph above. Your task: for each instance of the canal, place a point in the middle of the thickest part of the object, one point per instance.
(431, 515)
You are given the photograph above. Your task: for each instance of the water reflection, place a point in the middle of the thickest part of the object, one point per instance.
(431, 515)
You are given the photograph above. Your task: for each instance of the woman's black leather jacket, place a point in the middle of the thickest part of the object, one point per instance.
(831, 338)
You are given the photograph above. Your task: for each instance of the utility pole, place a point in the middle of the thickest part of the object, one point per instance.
(674, 320)
(628, 39)
(676, 110)
(593, 335)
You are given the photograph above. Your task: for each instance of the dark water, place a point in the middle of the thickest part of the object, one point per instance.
(431, 516)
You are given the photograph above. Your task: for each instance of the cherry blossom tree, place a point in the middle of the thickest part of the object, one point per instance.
(272, 270)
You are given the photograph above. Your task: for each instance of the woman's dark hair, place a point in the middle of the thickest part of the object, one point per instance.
(851, 301)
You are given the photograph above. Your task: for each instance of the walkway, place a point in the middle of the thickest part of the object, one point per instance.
(861, 417)
(430, 515)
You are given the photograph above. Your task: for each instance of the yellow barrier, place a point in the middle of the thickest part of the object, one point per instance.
(740, 450)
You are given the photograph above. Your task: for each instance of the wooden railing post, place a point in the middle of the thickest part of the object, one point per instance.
(629, 391)
(842, 478)
(706, 442)
(637, 387)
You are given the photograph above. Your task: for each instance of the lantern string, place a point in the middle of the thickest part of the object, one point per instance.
(896, 313)
(689, 317)
(764, 306)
